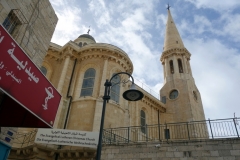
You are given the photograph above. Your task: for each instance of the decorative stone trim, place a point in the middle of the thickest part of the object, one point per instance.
(175, 51)
(156, 104)
(36, 150)
(91, 51)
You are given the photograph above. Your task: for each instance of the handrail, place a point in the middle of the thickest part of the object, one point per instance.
(194, 130)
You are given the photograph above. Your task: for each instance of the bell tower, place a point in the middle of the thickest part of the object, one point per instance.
(179, 92)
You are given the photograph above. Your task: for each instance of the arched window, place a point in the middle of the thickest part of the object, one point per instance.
(115, 89)
(43, 70)
(143, 121)
(84, 44)
(88, 82)
(180, 66)
(80, 44)
(171, 66)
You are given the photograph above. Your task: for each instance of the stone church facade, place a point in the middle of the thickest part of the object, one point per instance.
(79, 69)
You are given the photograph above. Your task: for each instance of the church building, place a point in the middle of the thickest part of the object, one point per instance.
(79, 69)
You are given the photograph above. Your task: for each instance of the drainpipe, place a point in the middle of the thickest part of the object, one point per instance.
(159, 125)
(69, 105)
(68, 96)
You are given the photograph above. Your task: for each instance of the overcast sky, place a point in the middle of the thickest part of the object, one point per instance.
(210, 30)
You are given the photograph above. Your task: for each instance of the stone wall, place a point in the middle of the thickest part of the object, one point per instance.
(36, 22)
(224, 149)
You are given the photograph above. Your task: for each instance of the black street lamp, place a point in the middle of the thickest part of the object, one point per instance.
(131, 95)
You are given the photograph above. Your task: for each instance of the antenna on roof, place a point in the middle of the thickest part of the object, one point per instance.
(88, 30)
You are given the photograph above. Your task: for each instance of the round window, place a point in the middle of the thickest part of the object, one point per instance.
(173, 94)
(195, 95)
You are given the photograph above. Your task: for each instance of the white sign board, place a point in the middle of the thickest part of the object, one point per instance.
(67, 137)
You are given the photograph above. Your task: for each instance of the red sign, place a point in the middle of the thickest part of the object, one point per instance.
(24, 82)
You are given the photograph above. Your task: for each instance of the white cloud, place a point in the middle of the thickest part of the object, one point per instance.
(67, 27)
(232, 27)
(219, 5)
(202, 23)
(132, 26)
(57, 3)
(130, 33)
(216, 72)
(161, 21)
(99, 9)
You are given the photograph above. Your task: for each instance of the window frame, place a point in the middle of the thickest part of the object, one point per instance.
(115, 88)
(11, 22)
(88, 82)
(143, 121)
(172, 94)
(180, 66)
(171, 66)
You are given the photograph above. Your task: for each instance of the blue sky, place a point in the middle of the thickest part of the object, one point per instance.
(210, 30)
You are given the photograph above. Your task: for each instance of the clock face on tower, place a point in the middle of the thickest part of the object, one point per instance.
(173, 94)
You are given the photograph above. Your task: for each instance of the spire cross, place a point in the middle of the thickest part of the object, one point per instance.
(88, 30)
(168, 7)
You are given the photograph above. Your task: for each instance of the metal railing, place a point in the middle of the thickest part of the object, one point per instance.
(195, 130)
(147, 88)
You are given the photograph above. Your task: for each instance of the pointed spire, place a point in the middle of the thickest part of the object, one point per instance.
(172, 37)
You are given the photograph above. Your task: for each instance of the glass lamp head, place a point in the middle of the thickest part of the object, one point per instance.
(133, 94)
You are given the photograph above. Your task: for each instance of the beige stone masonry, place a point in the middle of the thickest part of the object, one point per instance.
(186, 150)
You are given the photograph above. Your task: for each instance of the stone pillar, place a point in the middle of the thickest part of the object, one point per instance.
(184, 63)
(99, 102)
(167, 69)
(164, 71)
(175, 65)
(189, 67)
(59, 88)
(63, 74)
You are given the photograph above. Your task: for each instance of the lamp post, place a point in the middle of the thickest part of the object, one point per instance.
(131, 95)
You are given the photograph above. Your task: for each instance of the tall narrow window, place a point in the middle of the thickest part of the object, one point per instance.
(88, 82)
(115, 89)
(164, 99)
(11, 22)
(44, 70)
(180, 66)
(143, 121)
(171, 66)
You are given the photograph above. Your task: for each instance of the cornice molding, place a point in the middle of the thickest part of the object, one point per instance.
(100, 51)
(156, 104)
(175, 51)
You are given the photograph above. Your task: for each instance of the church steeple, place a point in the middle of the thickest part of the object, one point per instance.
(179, 92)
(172, 37)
